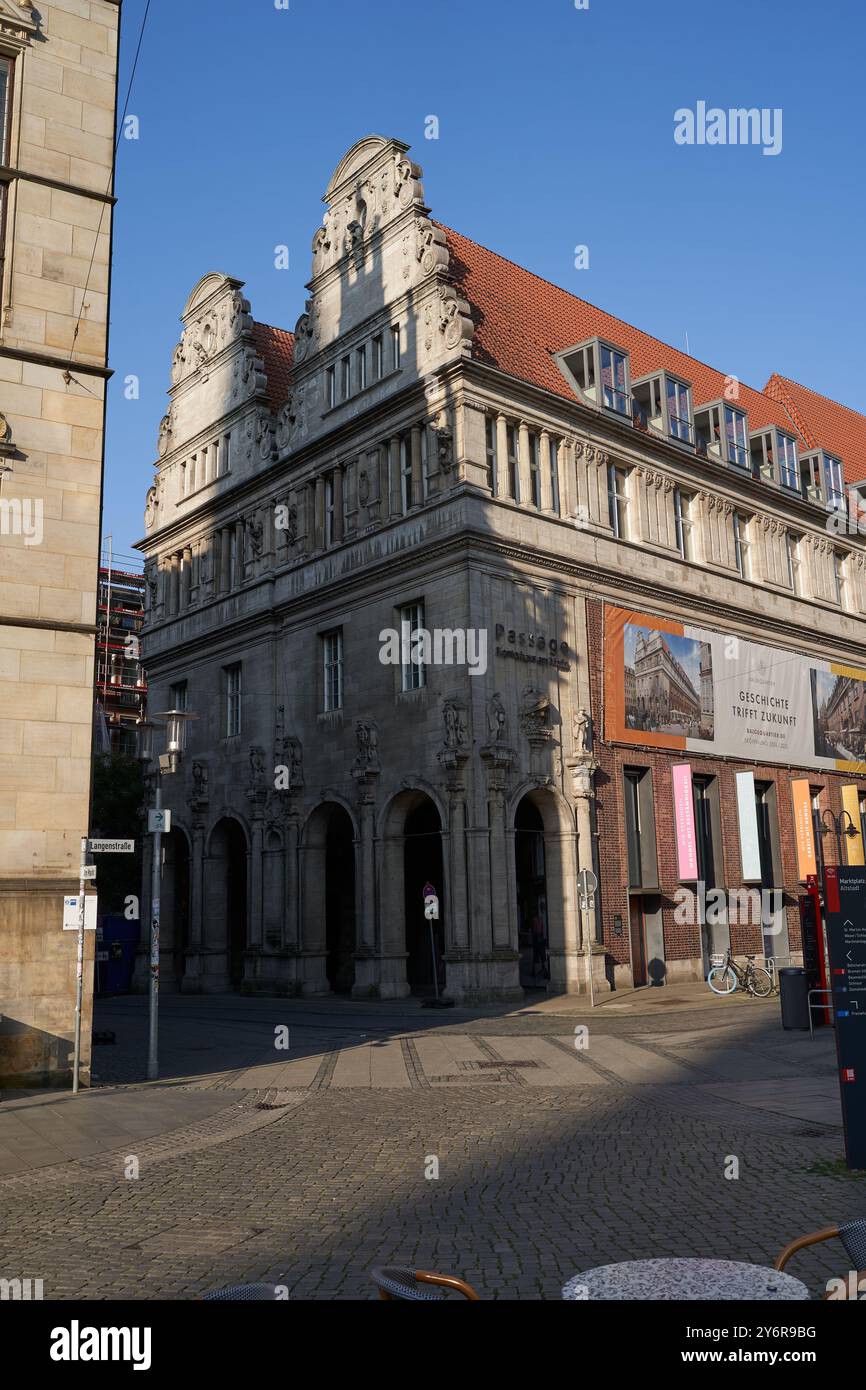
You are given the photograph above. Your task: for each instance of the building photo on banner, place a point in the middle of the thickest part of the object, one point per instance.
(432, 649)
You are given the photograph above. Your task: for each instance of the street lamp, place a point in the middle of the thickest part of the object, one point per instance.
(838, 825)
(167, 762)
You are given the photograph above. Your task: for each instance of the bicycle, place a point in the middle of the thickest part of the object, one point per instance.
(726, 976)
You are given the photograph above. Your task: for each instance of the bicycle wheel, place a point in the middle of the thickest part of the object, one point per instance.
(760, 982)
(722, 979)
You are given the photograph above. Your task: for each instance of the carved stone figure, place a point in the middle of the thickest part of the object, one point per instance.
(534, 711)
(257, 772)
(151, 502)
(445, 449)
(200, 780)
(456, 730)
(164, 439)
(363, 487)
(583, 731)
(497, 720)
(367, 735)
(256, 532)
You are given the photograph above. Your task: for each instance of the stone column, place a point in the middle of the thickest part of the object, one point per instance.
(196, 884)
(225, 559)
(583, 767)
(544, 466)
(395, 495)
(319, 514)
(459, 913)
(186, 576)
(501, 456)
(523, 468)
(338, 505)
(256, 845)
(417, 480)
(290, 920)
(174, 586)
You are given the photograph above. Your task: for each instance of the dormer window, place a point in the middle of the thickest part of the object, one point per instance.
(774, 457)
(822, 479)
(723, 433)
(600, 371)
(664, 403)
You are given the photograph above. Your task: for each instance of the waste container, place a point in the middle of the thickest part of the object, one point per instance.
(115, 954)
(794, 993)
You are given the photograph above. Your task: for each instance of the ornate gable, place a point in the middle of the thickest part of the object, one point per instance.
(18, 23)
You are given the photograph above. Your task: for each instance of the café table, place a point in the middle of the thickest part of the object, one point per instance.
(683, 1279)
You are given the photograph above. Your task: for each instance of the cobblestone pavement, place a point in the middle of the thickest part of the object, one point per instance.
(580, 1158)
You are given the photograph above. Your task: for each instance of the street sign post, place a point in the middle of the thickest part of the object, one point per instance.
(845, 899)
(159, 820)
(587, 884)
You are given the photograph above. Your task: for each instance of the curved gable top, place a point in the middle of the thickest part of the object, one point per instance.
(208, 286)
(358, 157)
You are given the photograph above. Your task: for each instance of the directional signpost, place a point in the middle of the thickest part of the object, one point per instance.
(84, 908)
(845, 897)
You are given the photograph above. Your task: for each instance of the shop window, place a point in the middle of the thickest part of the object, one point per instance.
(640, 828)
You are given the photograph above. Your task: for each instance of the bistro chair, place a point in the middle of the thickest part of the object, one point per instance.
(852, 1234)
(417, 1285)
(242, 1293)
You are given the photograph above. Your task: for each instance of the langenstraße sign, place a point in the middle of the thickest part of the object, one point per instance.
(111, 846)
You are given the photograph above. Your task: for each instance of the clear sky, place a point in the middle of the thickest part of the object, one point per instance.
(556, 129)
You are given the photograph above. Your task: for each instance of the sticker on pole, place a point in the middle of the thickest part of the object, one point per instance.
(88, 872)
(70, 913)
(111, 846)
(158, 821)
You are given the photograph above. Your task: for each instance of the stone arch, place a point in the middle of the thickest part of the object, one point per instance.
(544, 873)
(225, 928)
(328, 874)
(412, 840)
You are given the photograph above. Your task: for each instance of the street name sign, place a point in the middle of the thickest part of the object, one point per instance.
(111, 846)
(845, 897)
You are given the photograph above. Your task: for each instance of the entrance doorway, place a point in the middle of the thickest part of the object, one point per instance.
(176, 873)
(532, 917)
(225, 925)
(638, 943)
(422, 864)
(339, 900)
(646, 927)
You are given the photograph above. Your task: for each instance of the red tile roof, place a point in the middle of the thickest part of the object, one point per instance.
(521, 320)
(824, 424)
(276, 347)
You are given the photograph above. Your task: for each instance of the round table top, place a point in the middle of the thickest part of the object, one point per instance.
(683, 1279)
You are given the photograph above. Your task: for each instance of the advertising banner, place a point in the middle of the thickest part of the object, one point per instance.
(804, 830)
(668, 685)
(684, 819)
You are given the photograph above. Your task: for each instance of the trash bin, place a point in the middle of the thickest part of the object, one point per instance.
(115, 954)
(794, 992)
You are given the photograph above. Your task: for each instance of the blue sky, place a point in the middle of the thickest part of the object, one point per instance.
(555, 129)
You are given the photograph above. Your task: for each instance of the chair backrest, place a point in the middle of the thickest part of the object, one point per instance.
(853, 1236)
(242, 1293)
(417, 1285)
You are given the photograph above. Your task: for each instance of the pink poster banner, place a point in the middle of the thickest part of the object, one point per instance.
(684, 820)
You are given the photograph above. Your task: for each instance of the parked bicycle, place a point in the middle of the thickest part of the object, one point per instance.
(726, 976)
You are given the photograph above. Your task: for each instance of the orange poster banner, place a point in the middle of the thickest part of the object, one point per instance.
(804, 835)
(619, 723)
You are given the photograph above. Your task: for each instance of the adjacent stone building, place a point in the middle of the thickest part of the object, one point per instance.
(448, 445)
(58, 78)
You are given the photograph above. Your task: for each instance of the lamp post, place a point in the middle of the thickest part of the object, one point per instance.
(167, 762)
(838, 826)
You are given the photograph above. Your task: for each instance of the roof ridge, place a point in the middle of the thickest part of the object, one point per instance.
(840, 405)
(596, 307)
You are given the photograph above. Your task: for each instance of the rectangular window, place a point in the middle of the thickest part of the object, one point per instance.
(534, 472)
(378, 358)
(361, 367)
(613, 381)
(345, 378)
(736, 437)
(6, 73)
(395, 347)
(834, 483)
(329, 509)
(331, 387)
(512, 435)
(742, 545)
(792, 555)
(490, 447)
(406, 498)
(840, 577)
(412, 622)
(554, 476)
(789, 466)
(425, 460)
(640, 828)
(225, 464)
(234, 559)
(617, 500)
(704, 794)
(679, 410)
(232, 676)
(683, 522)
(191, 472)
(332, 656)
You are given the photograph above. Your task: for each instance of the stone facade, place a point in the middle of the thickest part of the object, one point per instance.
(60, 62)
(313, 491)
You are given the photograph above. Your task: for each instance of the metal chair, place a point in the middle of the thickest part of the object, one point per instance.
(417, 1285)
(242, 1293)
(851, 1233)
